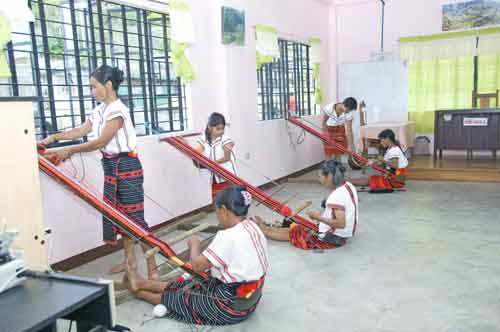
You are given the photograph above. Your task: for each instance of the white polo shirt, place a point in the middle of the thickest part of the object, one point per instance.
(125, 139)
(239, 253)
(396, 152)
(215, 151)
(340, 199)
(335, 120)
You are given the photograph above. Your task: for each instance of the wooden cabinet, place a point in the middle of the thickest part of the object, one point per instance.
(21, 200)
(469, 130)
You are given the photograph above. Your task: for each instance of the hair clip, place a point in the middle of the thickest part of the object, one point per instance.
(247, 197)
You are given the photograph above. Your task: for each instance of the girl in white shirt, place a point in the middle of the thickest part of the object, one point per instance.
(337, 122)
(115, 138)
(219, 147)
(393, 159)
(238, 262)
(336, 223)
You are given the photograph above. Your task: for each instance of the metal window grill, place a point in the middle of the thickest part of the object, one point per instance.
(286, 78)
(53, 58)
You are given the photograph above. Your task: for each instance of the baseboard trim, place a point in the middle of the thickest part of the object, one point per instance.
(106, 249)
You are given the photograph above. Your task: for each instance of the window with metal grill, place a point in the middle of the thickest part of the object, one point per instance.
(287, 80)
(53, 58)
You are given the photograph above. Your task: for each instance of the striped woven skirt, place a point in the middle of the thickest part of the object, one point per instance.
(299, 236)
(211, 302)
(123, 189)
(381, 182)
(337, 134)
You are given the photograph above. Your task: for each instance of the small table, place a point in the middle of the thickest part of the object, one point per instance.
(43, 298)
(405, 131)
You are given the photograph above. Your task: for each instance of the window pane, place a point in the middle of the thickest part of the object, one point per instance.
(285, 79)
(55, 56)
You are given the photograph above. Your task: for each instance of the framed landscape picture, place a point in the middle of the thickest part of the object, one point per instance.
(233, 26)
(471, 14)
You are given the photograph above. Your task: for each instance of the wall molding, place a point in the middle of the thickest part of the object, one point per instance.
(106, 249)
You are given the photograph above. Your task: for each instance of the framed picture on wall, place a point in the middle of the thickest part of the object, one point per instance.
(233, 26)
(471, 14)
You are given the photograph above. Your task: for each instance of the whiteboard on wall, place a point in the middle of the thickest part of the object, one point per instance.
(383, 85)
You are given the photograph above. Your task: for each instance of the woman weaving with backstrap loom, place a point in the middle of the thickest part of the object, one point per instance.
(336, 224)
(219, 147)
(115, 138)
(238, 260)
(391, 158)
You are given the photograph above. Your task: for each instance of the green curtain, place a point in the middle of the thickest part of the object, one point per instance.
(182, 37)
(316, 60)
(266, 44)
(488, 75)
(438, 84)
(4, 39)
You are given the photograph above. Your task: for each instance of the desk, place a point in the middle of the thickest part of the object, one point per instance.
(405, 131)
(467, 129)
(42, 299)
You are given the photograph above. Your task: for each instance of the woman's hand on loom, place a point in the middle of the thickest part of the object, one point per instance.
(48, 140)
(59, 154)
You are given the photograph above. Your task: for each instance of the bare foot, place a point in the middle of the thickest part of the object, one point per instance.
(133, 279)
(122, 267)
(153, 275)
(118, 268)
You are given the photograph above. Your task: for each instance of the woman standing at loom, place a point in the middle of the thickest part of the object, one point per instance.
(337, 122)
(115, 138)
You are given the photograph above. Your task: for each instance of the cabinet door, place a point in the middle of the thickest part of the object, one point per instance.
(21, 201)
(485, 137)
(451, 133)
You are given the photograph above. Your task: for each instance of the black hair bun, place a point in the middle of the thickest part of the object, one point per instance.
(118, 75)
(236, 199)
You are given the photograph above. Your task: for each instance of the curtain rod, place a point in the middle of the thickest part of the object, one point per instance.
(451, 34)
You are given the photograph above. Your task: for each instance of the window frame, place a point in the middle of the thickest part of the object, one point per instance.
(93, 32)
(289, 75)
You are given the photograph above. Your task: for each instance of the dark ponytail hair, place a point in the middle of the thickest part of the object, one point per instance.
(334, 168)
(106, 73)
(391, 136)
(235, 199)
(214, 120)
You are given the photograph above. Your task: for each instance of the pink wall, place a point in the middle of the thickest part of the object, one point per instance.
(226, 83)
(358, 25)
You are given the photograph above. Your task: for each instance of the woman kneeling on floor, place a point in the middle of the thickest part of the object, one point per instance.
(238, 261)
(338, 221)
(391, 158)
